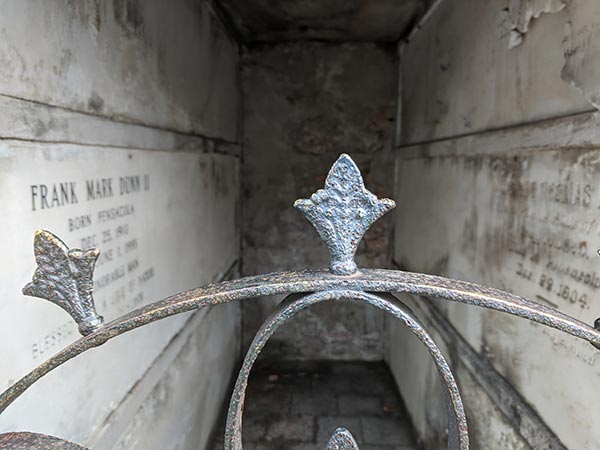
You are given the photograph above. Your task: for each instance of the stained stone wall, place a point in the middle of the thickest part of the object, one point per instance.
(496, 183)
(119, 129)
(304, 104)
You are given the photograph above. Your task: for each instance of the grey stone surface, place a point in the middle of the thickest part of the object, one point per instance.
(361, 379)
(479, 154)
(385, 431)
(276, 401)
(350, 404)
(326, 426)
(314, 402)
(120, 90)
(267, 427)
(472, 88)
(298, 117)
(294, 427)
(170, 65)
(333, 20)
(256, 426)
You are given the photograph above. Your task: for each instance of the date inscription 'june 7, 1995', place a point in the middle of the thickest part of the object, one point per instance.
(341, 213)
(107, 227)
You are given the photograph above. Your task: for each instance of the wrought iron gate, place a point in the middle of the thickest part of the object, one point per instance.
(341, 213)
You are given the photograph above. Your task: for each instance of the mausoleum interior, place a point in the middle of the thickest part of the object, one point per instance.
(175, 137)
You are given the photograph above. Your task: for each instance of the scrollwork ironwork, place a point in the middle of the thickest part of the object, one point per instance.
(341, 213)
(458, 435)
(342, 439)
(65, 277)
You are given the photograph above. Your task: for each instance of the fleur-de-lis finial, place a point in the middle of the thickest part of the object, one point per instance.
(65, 277)
(342, 439)
(342, 212)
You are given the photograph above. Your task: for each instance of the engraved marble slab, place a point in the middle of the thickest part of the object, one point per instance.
(526, 220)
(163, 221)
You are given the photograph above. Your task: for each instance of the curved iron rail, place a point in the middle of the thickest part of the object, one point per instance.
(341, 213)
(458, 435)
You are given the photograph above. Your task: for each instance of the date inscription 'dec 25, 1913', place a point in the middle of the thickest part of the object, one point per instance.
(341, 213)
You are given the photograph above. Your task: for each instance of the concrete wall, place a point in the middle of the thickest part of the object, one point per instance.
(101, 91)
(496, 183)
(304, 104)
(135, 61)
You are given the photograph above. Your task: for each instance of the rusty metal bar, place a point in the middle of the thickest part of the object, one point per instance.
(458, 435)
(341, 213)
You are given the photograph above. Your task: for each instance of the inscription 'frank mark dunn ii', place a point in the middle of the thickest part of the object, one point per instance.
(55, 195)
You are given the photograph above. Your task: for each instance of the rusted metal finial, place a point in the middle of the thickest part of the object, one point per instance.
(342, 212)
(65, 277)
(342, 439)
(597, 327)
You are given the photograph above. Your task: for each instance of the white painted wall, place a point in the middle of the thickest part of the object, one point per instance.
(166, 64)
(460, 77)
(497, 174)
(93, 90)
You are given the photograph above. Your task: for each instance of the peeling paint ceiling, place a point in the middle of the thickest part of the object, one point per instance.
(329, 20)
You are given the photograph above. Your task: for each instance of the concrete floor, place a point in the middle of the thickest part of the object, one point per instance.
(297, 406)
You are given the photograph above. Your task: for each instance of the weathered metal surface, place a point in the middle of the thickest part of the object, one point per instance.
(343, 212)
(65, 277)
(135, 267)
(516, 209)
(327, 285)
(293, 128)
(458, 437)
(34, 441)
(342, 439)
(372, 280)
(118, 78)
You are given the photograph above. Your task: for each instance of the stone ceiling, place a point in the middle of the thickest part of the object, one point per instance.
(328, 20)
